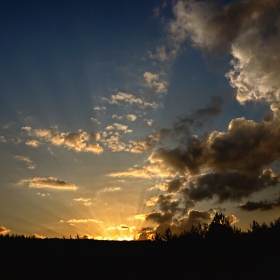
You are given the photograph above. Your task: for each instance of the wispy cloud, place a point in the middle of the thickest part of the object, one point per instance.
(3, 139)
(131, 118)
(80, 141)
(111, 189)
(26, 160)
(32, 143)
(74, 221)
(4, 230)
(154, 82)
(122, 98)
(48, 182)
(84, 201)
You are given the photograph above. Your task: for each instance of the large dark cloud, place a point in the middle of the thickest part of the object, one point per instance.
(197, 119)
(194, 217)
(260, 205)
(175, 185)
(246, 147)
(228, 186)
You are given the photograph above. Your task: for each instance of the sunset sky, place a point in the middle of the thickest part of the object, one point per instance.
(119, 118)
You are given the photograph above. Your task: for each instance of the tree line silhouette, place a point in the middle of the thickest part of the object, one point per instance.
(219, 228)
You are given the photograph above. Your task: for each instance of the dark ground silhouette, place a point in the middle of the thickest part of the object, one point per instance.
(216, 251)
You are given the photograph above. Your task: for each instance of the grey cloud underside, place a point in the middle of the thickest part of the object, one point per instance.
(246, 147)
(231, 186)
(226, 166)
(194, 217)
(260, 205)
(181, 127)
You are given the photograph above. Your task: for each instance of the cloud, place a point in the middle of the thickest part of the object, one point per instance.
(131, 118)
(79, 141)
(117, 117)
(84, 201)
(139, 217)
(8, 125)
(153, 81)
(122, 98)
(48, 182)
(118, 126)
(3, 230)
(232, 219)
(74, 221)
(160, 54)
(33, 143)
(149, 122)
(227, 166)
(231, 186)
(138, 147)
(194, 217)
(175, 185)
(121, 227)
(38, 236)
(249, 30)
(145, 233)
(111, 189)
(168, 207)
(26, 160)
(181, 130)
(27, 129)
(246, 147)
(115, 144)
(148, 171)
(95, 120)
(97, 108)
(152, 201)
(3, 139)
(260, 205)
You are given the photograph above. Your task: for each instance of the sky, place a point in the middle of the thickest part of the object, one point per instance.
(122, 118)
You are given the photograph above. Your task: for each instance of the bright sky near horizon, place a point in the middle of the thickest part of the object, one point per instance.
(119, 118)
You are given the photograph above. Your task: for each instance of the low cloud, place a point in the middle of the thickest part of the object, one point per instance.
(111, 189)
(48, 182)
(250, 206)
(139, 217)
(138, 147)
(231, 186)
(117, 117)
(122, 227)
(118, 126)
(8, 125)
(84, 201)
(32, 143)
(3, 230)
(160, 54)
(114, 143)
(80, 141)
(95, 120)
(26, 160)
(3, 139)
(131, 118)
(149, 122)
(154, 82)
(194, 217)
(74, 221)
(122, 98)
(97, 108)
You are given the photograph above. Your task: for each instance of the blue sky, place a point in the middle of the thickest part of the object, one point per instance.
(121, 118)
